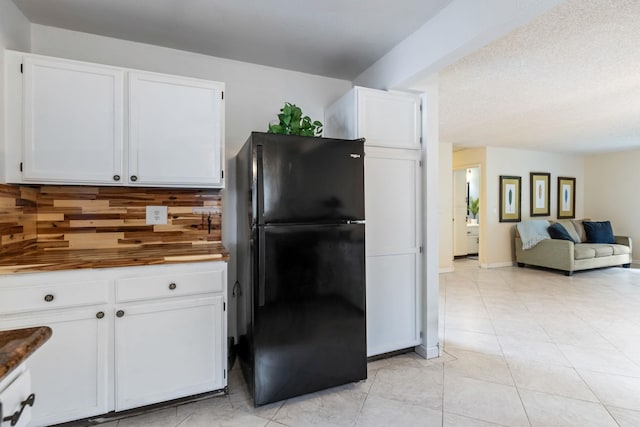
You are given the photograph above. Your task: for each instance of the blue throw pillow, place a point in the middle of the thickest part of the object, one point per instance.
(598, 231)
(557, 231)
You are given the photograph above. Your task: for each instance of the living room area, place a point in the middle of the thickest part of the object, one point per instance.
(556, 97)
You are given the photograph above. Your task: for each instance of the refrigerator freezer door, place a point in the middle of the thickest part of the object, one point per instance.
(305, 179)
(310, 325)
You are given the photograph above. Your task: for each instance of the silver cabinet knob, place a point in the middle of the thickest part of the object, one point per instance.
(119, 313)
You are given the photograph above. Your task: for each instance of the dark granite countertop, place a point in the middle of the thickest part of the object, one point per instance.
(18, 344)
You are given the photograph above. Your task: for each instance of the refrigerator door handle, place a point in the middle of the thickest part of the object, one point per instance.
(259, 184)
(261, 267)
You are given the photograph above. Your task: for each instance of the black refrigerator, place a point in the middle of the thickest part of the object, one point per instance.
(301, 264)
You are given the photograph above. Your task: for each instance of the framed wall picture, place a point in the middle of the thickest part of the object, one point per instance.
(510, 198)
(539, 193)
(566, 197)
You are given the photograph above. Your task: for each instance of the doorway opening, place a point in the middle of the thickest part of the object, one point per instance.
(466, 217)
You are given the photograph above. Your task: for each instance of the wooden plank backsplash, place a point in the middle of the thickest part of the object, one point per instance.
(18, 207)
(74, 217)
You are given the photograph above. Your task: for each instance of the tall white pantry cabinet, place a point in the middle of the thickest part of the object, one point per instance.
(390, 124)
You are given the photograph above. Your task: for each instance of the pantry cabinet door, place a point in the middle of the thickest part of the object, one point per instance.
(176, 131)
(388, 119)
(393, 248)
(73, 130)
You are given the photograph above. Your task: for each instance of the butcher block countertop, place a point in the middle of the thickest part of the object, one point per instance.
(57, 260)
(18, 344)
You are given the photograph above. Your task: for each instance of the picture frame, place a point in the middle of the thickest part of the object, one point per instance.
(566, 197)
(510, 198)
(539, 194)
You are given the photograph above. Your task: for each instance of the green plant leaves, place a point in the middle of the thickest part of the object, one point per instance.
(292, 122)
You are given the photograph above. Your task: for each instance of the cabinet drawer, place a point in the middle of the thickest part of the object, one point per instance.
(170, 285)
(21, 298)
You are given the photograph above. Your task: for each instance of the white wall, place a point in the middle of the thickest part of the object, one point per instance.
(445, 212)
(612, 182)
(15, 34)
(430, 289)
(254, 94)
(507, 161)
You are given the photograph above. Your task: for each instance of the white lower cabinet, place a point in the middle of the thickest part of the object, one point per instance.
(69, 372)
(16, 398)
(161, 339)
(165, 350)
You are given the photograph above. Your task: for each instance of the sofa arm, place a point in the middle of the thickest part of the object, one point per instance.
(551, 253)
(624, 240)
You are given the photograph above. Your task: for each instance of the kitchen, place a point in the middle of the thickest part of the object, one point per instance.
(262, 88)
(78, 203)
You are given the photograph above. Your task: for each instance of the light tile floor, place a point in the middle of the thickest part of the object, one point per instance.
(522, 347)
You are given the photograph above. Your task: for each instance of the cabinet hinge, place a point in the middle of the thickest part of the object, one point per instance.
(222, 94)
(222, 174)
(420, 140)
(21, 68)
(420, 249)
(224, 306)
(420, 163)
(20, 166)
(224, 373)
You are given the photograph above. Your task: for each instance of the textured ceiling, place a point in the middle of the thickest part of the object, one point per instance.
(568, 81)
(334, 38)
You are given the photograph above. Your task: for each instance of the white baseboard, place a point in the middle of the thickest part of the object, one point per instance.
(497, 264)
(428, 353)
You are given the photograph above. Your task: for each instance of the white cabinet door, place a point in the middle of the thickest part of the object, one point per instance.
(13, 396)
(69, 373)
(392, 206)
(176, 131)
(388, 119)
(72, 122)
(167, 350)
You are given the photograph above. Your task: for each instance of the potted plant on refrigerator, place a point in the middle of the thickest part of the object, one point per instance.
(292, 122)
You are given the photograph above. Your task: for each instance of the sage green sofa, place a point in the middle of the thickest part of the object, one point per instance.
(568, 256)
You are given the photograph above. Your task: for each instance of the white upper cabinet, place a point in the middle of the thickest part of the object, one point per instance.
(72, 121)
(384, 118)
(175, 130)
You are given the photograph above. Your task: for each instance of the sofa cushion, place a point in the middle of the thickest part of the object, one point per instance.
(577, 224)
(603, 250)
(584, 251)
(558, 231)
(620, 249)
(599, 231)
(568, 225)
